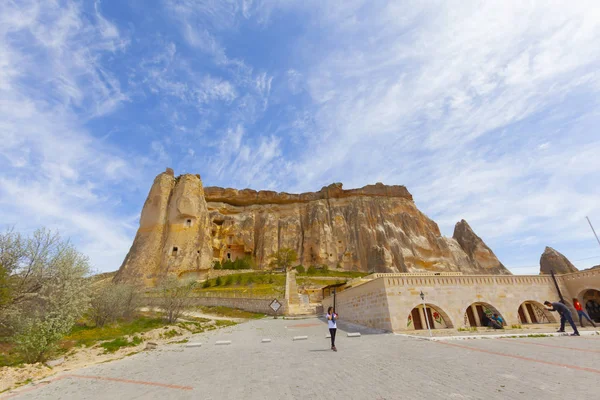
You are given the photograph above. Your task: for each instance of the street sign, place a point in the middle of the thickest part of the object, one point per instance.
(275, 305)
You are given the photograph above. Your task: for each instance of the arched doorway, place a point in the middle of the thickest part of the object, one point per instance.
(436, 317)
(591, 302)
(532, 312)
(475, 312)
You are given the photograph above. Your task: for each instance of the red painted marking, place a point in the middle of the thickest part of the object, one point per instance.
(104, 378)
(550, 345)
(100, 378)
(597, 371)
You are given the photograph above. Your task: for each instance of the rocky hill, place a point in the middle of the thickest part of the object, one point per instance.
(185, 227)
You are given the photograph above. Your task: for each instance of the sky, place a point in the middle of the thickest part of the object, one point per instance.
(487, 111)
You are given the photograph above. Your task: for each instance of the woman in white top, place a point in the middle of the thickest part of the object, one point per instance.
(331, 321)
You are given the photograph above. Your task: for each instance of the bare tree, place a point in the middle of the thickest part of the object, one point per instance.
(112, 302)
(174, 297)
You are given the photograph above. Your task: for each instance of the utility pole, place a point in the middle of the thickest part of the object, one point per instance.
(557, 288)
(590, 222)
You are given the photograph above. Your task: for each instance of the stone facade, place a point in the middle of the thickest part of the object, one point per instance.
(387, 301)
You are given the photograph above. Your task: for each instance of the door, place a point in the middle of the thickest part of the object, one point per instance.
(480, 312)
(471, 316)
(531, 313)
(429, 318)
(416, 317)
(522, 315)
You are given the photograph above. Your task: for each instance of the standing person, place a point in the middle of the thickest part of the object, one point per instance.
(331, 322)
(582, 313)
(565, 315)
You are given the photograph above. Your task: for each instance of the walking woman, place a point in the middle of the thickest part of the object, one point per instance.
(331, 322)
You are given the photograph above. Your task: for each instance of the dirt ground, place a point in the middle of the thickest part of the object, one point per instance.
(11, 377)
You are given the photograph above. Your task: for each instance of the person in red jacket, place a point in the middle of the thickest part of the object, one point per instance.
(582, 313)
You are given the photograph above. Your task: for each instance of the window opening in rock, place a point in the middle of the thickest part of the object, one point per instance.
(188, 223)
(175, 249)
(229, 256)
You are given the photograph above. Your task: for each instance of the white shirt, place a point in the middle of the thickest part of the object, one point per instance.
(330, 322)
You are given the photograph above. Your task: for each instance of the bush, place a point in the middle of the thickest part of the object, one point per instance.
(48, 291)
(217, 265)
(300, 269)
(324, 268)
(206, 284)
(174, 298)
(229, 280)
(238, 279)
(250, 281)
(312, 270)
(113, 302)
(218, 281)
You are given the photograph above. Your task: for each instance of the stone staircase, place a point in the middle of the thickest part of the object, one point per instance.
(298, 304)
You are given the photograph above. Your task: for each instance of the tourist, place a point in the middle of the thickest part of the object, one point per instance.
(582, 313)
(565, 315)
(331, 322)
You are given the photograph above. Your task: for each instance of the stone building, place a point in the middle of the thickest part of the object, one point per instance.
(453, 300)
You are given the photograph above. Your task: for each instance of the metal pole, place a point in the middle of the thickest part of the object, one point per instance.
(557, 288)
(590, 222)
(425, 312)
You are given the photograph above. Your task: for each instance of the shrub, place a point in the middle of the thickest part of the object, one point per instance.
(300, 269)
(217, 265)
(206, 284)
(113, 302)
(229, 281)
(218, 281)
(325, 268)
(250, 281)
(311, 270)
(238, 279)
(174, 298)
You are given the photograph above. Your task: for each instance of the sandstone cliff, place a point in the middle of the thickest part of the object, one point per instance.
(185, 227)
(553, 260)
(481, 256)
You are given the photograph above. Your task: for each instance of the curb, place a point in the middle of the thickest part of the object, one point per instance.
(508, 335)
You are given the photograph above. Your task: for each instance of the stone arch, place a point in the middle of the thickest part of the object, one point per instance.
(438, 318)
(533, 312)
(475, 311)
(590, 300)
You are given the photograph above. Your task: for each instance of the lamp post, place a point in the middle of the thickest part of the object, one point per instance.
(425, 312)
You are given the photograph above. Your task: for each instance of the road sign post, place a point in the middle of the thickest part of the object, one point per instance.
(275, 306)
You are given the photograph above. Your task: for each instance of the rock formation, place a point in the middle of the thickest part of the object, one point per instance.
(185, 227)
(480, 255)
(552, 260)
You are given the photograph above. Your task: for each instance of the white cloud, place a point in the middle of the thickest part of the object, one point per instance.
(51, 84)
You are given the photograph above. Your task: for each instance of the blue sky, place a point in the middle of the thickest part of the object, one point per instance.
(485, 110)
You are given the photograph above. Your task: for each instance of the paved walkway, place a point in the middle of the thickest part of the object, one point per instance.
(373, 366)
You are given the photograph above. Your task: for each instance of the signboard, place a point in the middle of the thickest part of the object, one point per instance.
(275, 305)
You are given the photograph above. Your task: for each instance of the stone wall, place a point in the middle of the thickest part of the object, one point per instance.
(365, 305)
(247, 304)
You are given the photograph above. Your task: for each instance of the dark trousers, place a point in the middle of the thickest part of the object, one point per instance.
(332, 331)
(567, 317)
(584, 315)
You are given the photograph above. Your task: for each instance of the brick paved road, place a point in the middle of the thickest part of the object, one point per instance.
(374, 366)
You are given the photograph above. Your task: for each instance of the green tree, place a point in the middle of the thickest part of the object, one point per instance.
(300, 269)
(283, 258)
(47, 288)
